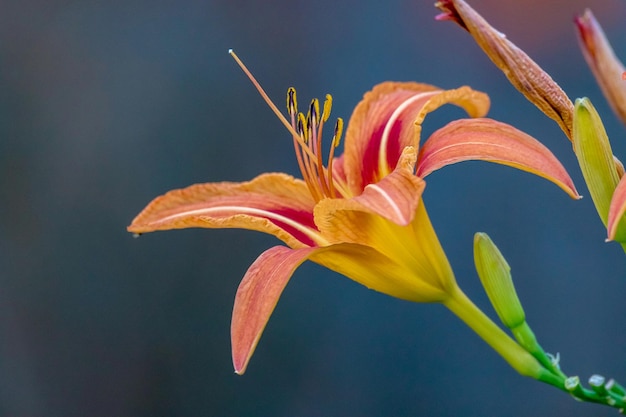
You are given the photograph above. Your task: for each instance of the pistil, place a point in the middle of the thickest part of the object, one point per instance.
(307, 139)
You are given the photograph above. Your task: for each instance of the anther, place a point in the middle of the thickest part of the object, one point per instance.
(338, 132)
(309, 126)
(328, 104)
(300, 128)
(315, 111)
(292, 104)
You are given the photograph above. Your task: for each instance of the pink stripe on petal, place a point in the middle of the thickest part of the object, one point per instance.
(389, 119)
(273, 203)
(396, 196)
(257, 297)
(370, 126)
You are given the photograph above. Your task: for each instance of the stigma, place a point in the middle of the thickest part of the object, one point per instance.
(306, 130)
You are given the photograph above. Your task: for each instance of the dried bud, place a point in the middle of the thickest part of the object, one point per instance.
(524, 73)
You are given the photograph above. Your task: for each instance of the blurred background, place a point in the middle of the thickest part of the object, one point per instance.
(105, 105)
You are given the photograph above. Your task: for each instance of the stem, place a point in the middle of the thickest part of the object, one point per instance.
(516, 356)
(526, 338)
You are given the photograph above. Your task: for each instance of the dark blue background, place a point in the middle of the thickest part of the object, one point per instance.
(105, 105)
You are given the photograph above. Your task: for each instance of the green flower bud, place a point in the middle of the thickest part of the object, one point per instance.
(593, 150)
(495, 275)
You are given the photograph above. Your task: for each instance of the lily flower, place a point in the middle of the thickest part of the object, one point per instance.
(606, 67)
(359, 214)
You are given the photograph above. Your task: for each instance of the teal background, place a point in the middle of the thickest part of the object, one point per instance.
(105, 105)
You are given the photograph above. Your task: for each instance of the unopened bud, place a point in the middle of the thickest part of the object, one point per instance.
(495, 275)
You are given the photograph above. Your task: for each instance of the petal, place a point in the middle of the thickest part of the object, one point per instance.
(617, 209)
(277, 204)
(397, 195)
(525, 75)
(388, 119)
(378, 272)
(606, 67)
(339, 172)
(493, 141)
(257, 296)
(417, 267)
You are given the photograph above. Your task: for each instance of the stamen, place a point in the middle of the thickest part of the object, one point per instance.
(308, 168)
(315, 110)
(302, 127)
(338, 132)
(297, 145)
(331, 154)
(328, 104)
(307, 138)
(292, 103)
(316, 143)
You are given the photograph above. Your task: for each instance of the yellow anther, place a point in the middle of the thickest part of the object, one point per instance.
(292, 103)
(302, 127)
(315, 111)
(309, 126)
(328, 103)
(338, 132)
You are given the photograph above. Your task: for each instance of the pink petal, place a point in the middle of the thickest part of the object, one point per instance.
(388, 119)
(257, 296)
(617, 209)
(277, 204)
(493, 141)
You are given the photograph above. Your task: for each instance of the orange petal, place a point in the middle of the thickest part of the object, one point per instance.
(257, 296)
(525, 75)
(277, 204)
(617, 209)
(493, 141)
(606, 67)
(388, 119)
(379, 272)
(418, 269)
(397, 195)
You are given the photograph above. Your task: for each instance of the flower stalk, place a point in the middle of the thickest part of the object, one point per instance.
(514, 354)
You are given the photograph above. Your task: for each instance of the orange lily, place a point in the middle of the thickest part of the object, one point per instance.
(361, 214)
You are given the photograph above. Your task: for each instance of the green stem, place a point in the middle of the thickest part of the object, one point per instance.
(526, 338)
(515, 355)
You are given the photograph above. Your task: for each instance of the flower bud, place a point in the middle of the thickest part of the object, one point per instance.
(495, 275)
(595, 157)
